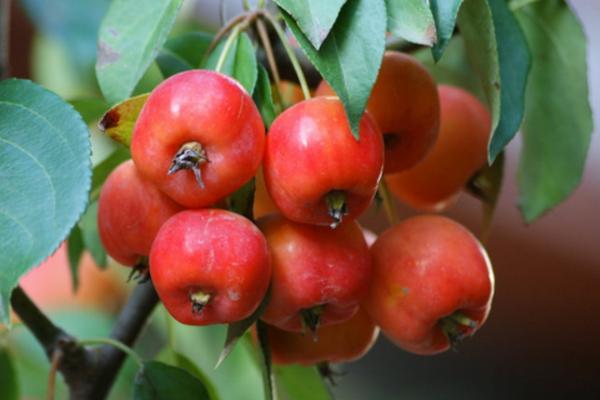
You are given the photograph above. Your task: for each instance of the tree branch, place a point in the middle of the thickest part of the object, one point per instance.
(4, 38)
(88, 372)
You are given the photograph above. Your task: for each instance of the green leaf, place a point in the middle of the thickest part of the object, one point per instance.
(44, 178)
(411, 20)
(444, 13)
(183, 52)
(103, 169)
(158, 381)
(296, 382)
(176, 359)
(477, 29)
(240, 63)
(118, 122)
(236, 330)
(314, 17)
(486, 185)
(242, 200)
(558, 120)
(130, 37)
(89, 232)
(75, 247)
(263, 97)
(9, 389)
(90, 109)
(350, 57)
(515, 60)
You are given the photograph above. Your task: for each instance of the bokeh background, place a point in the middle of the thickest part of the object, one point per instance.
(542, 338)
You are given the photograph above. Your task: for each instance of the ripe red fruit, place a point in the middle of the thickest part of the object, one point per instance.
(210, 266)
(315, 171)
(199, 137)
(346, 341)
(461, 149)
(432, 284)
(131, 210)
(319, 275)
(404, 103)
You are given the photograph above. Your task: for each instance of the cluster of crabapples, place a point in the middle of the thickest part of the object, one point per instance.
(426, 282)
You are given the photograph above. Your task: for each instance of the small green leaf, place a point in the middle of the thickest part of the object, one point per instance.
(9, 389)
(486, 185)
(176, 359)
(44, 178)
(444, 13)
(90, 109)
(103, 169)
(514, 59)
(350, 57)
(314, 17)
(297, 383)
(263, 97)
(558, 120)
(183, 52)
(411, 20)
(131, 34)
(118, 122)
(158, 381)
(75, 247)
(242, 200)
(89, 232)
(240, 63)
(237, 329)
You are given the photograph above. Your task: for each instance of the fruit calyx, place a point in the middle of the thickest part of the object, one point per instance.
(456, 327)
(199, 300)
(311, 319)
(191, 155)
(336, 206)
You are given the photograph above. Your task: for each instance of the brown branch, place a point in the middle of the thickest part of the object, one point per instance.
(4, 38)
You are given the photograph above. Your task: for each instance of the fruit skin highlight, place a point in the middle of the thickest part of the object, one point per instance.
(404, 103)
(210, 116)
(315, 269)
(432, 284)
(210, 266)
(131, 210)
(460, 150)
(311, 156)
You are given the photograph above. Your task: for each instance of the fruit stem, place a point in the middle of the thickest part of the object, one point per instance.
(388, 203)
(290, 53)
(311, 318)
(199, 300)
(456, 327)
(115, 343)
(336, 206)
(230, 39)
(191, 155)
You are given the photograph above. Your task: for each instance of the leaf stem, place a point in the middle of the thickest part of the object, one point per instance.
(115, 343)
(221, 33)
(232, 38)
(290, 52)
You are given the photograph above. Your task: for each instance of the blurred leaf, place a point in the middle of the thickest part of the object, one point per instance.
(44, 178)
(315, 18)
(179, 360)
(103, 169)
(240, 63)
(411, 20)
(515, 60)
(9, 389)
(183, 52)
(130, 37)
(350, 57)
(75, 247)
(265, 353)
(444, 13)
(242, 200)
(89, 232)
(118, 122)
(90, 109)
(74, 23)
(295, 382)
(237, 329)
(263, 97)
(486, 185)
(157, 381)
(558, 120)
